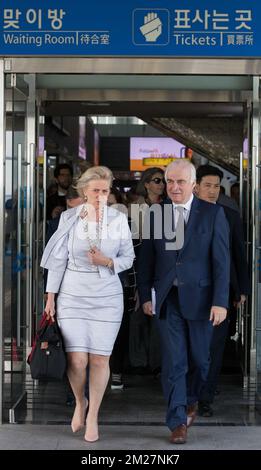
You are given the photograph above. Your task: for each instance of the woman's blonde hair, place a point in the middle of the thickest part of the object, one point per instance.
(93, 173)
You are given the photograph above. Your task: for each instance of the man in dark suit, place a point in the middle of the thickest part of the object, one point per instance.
(208, 188)
(63, 175)
(192, 286)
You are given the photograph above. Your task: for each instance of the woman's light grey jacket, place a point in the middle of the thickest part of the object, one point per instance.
(116, 243)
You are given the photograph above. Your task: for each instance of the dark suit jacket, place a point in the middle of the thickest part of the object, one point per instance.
(239, 279)
(52, 202)
(52, 227)
(201, 267)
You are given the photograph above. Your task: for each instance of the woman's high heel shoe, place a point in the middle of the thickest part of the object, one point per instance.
(77, 423)
(91, 440)
(91, 437)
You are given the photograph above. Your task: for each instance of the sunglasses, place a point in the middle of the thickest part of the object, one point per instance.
(157, 180)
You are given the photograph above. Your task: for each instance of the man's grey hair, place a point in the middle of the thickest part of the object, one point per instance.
(186, 164)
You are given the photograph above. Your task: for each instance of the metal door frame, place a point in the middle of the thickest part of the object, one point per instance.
(28, 163)
(255, 216)
(132, 65)
(2, 208)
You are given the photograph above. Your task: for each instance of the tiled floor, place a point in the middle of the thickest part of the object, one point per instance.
(133, 419)
(140, 404)
(155, 438)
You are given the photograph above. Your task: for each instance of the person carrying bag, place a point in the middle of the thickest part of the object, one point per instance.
(47, 359)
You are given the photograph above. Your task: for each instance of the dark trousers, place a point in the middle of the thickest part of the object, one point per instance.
(216, 356)
(185, 359)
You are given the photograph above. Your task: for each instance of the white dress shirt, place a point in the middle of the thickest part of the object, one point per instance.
(186, 207)
(186, 211)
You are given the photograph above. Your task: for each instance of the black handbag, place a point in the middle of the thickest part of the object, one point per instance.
(47, 359)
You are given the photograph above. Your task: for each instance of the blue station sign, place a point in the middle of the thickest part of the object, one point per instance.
(130, 28)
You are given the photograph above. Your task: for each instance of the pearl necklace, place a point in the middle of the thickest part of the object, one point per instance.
(92, 240)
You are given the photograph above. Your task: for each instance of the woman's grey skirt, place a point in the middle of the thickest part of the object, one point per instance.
(89, 311)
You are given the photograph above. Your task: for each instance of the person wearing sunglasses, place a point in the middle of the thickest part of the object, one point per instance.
(152, 186)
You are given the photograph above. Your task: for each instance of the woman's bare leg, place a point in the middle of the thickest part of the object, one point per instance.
(77, 363)
(99, 373)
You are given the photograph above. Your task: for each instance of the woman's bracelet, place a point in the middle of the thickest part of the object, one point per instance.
(109, 265)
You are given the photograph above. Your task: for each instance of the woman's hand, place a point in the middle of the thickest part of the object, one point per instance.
(50, 307)
(96, 257)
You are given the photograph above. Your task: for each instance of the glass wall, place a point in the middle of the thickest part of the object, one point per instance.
(255, 352)
(17, 191)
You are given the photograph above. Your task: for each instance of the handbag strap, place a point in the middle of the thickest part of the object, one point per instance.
(43, 323)
(44, 320)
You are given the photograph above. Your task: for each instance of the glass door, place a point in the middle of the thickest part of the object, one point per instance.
(17, 250)
(255, 340)
(243, 326)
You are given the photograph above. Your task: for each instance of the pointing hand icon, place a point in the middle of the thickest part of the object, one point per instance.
(152, 27)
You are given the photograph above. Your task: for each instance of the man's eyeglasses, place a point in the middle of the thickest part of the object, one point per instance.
(157, 180)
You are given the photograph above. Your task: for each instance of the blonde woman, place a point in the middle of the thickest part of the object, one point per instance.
(91, 246)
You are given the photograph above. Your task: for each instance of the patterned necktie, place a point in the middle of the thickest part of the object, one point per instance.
(181, 211)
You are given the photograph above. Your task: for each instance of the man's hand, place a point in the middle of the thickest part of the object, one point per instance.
(240, 302)
(217, 315)
(147, 308)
